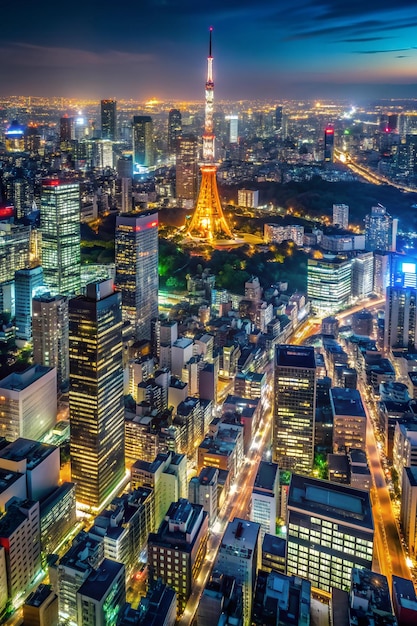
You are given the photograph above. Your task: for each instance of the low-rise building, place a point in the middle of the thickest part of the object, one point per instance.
(20, 539)
(125, 525)
(222, 448)
(68, 574)
(273, 553)
(177, 551)
(203, 489)
(239, 555)
(158, 608)
(166, 476)
(408, 510)
(41, 607)
(349, 419)
(102, 595)
(28, 403)
(58, 516)
(265, 498)
(280, 600)
(38, 462)
(404, 601)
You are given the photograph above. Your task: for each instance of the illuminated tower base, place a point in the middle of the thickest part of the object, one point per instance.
(208, 221)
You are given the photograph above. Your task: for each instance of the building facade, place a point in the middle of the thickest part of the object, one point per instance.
(294, 408)
(61, 238)
(400, 329)
(50, 327)
(96, 393)
(380, 230)
(329, 283)
(28, 403)
(187, 170)
(330, 530)
(108, 120)
(143, 149)
(137, 269)
(176, 552)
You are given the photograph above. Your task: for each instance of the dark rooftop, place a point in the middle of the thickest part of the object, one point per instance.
(334, 500)
(274, 545)
(266, 475)
(38, 597)
(100, 580)
(295, 356)
(347, 402)
(21, 449)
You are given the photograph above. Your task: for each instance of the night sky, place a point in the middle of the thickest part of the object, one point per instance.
(157, 48)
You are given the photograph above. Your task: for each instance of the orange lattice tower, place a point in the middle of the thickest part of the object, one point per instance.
(208, 221)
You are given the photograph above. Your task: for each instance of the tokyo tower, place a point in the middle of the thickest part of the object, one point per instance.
(208, 222)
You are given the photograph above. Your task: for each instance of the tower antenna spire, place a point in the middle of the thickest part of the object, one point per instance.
(208, 221)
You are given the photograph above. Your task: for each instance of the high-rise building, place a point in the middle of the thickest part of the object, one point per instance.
(330, 530)
(239, 556)
(363, 275)
(404, 600)
(20, 196)
(187, 170)
(143, 150)
(137, 269)
(174, 130)
(294, 408)
(96, 393)
(233, 127)
(383, 268)
(341, 215)
(400, 330)
(380, 230)
(278, 118)
(108, 120)
(50, 334)
(124, 167)
(61, 238)
(408, 513)
(329, 143)
(103, 153)
(14, 250)
(329, 283)
(27, 281)
(166, 475)
(176, 552)
(66, 129)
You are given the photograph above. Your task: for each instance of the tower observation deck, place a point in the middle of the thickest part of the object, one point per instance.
(208, 222)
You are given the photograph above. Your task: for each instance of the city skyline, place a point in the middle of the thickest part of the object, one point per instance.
(310, 50)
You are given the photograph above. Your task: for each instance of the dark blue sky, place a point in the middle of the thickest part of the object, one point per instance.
(262, 48)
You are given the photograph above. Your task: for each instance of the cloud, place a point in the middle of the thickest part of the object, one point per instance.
(30, 55)
(383, 51)
(362, 39)
(340, 9)
(350, 27)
